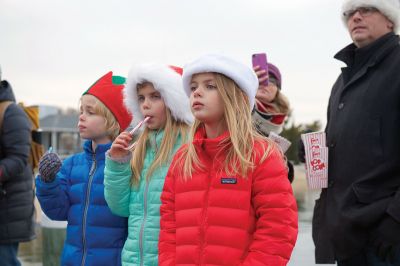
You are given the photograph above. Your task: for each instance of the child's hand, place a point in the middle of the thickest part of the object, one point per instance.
(119, 147)
(49, 165)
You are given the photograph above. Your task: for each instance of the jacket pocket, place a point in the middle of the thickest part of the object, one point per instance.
(370, 207)
(369, 194)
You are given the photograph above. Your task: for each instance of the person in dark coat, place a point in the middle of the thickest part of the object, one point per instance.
(357, 218)
(17, 211)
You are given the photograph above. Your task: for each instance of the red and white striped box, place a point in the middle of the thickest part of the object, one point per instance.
(314, 140)
(316, 159)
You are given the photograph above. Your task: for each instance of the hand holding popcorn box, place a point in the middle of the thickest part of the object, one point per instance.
(316, 159)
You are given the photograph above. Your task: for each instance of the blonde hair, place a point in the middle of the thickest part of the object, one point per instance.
(111, 124)
(239, 144)
(172, 129)
(281, 103)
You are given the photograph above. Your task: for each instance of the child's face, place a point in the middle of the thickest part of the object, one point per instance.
(267, 94)
(91, 125)
(152, 105)
(205, 100)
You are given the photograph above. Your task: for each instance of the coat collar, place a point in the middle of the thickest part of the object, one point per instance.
(154, 140)
(351, 54)
(99, 153)
(376, 52)
(211, 147)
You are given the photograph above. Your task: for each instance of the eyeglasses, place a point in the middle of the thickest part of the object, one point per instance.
(272, 80)
(364, 11)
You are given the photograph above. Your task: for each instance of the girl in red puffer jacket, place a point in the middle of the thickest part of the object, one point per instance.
(226, 198)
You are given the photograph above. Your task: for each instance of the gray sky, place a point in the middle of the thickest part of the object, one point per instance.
(51, 51)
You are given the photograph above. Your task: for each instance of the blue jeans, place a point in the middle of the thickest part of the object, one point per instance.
(368, 258)
(8, 255)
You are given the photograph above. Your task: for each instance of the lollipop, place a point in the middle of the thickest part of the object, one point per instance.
(132, 146)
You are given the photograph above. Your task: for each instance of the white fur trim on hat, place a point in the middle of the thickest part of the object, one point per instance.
(167, 82)
(389, 8)
(241, 74)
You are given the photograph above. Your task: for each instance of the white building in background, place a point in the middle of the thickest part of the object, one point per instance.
(59, 130)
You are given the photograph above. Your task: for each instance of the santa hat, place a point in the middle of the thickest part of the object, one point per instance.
(108, 90)
(389, 8)
(241, 74)
(167, 80)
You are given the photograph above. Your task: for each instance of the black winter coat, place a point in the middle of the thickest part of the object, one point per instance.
(16, 205)
(363, 136)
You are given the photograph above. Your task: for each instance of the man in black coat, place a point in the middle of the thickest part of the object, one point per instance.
(16, 183)
(357, 218)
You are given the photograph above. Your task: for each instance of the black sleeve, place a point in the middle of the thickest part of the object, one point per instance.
(14, 142)
(290, 171)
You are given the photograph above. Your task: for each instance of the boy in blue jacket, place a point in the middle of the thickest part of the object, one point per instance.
(75, 193)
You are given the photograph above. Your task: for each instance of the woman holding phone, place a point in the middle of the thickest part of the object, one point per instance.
(271, 106)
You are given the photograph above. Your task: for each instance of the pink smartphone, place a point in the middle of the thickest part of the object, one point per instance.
(261, 60)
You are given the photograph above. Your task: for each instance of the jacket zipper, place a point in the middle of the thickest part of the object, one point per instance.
(144, 220)
(203, 225)
(91, 174)
(146, 190)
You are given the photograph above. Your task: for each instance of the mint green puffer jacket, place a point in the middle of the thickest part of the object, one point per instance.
(141, 204)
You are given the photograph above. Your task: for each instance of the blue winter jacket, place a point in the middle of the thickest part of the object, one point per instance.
(94, 235)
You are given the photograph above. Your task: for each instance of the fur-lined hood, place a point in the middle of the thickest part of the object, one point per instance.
(168, 81)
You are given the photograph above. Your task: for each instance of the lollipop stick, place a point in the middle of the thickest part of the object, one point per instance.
(132, 146)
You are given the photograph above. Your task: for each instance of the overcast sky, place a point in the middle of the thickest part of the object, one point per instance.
(51, 51)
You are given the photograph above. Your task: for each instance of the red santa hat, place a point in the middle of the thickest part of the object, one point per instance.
(167, 80)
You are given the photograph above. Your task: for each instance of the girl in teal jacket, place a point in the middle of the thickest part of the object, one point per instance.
(134, 177)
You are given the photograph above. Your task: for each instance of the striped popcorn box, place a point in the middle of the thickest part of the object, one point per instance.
(317, 168)
(314, 140)
(316, 159)
(283, 143)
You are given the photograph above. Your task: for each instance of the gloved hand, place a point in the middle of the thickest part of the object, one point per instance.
(301, 152)
(291, 171)
(49, 165)
(385, 238)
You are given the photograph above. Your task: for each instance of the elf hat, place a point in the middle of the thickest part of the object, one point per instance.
(108, 90)
(167, 80)
(389, 8)
(241, 74)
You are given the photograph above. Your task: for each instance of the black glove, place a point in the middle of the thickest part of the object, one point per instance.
(301, 151)
(49, 165)
(290, 172)
(385, 238)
